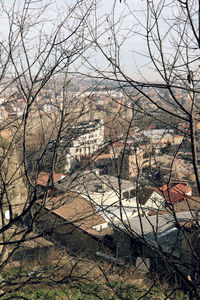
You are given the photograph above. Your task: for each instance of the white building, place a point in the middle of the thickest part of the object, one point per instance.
(87, 137)
(113, 198)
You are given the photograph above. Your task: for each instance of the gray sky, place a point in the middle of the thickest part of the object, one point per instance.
(129, 18)
(133, 50)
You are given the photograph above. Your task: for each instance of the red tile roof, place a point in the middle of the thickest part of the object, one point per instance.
(175, 192)
(118, 144)
(106, 156)
(43, 178)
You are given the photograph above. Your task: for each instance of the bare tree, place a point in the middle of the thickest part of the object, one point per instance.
(39, 47)
(162, 87)
(68, 213)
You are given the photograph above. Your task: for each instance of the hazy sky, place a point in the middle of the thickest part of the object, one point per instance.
(128, 16)
(171, 25)
(133, 50)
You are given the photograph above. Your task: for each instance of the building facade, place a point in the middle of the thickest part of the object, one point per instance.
(87, 138)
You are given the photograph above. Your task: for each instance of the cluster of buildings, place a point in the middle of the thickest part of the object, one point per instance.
(148, 153)
(50, 100)
(113, 210)
(119, 220)
(119, 197)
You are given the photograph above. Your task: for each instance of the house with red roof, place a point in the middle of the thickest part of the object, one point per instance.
(44, 178)
(175, 192)
(117, 147)
(46, 182)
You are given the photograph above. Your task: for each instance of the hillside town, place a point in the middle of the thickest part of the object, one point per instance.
(118, 181)
(99, 150)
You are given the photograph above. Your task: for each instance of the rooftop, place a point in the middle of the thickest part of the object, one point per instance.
(73, 208)
(175, 192)
(159, 231)
(44, 177)
(105, 156)
(88, 184)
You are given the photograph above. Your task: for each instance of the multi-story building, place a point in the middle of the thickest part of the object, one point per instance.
(86, 138)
